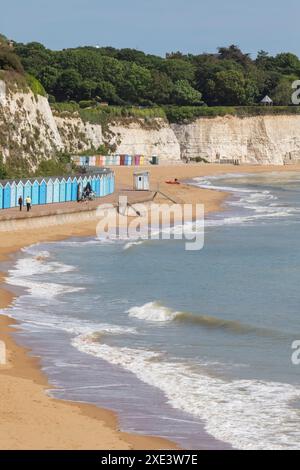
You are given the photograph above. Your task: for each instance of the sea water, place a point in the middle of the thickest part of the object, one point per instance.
(194, 346)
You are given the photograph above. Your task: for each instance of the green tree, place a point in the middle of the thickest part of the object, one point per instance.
(185, 94)
(68, 85)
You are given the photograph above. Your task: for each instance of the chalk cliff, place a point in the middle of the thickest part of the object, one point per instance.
(260, 139)
(30, 130)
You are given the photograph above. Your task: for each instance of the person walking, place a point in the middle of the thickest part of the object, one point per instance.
(20, 202)
(28, 203)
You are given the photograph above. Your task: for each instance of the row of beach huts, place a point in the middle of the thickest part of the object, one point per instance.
(114, 160)
(53, 190)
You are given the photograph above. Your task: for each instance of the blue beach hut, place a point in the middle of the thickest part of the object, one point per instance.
(1, 196)
(56, 190)
(43, 192)
(93, 184)
(74, 189)
(35, 193)
(6, 196)
(102, 186)
(69, 189)
(113, 183)
(27, 190)
(98, 187)
(13, 191)
(20, 192)
(62, 190)
(49, 198)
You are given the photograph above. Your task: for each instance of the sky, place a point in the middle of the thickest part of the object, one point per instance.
(156, 26)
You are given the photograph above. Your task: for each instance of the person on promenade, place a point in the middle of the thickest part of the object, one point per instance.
(28, 203)
(20, 202)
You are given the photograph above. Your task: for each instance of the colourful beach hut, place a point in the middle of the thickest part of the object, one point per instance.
(1, 196)
(43, 192)
(20, 191)
(62, 190)
(68, 189)
(56, 190)
(93, 184)
(35, 193)
(13, 191)
(49, 198)
(6, 196)
(101, 186)
(74, 189)
(98, 187)
(27, 190)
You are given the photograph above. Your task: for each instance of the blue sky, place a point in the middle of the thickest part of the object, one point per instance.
(156, 26)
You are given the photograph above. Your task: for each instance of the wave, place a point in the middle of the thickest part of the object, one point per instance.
(256, 204)
(155, 312)
(27, 273)
(249, 414)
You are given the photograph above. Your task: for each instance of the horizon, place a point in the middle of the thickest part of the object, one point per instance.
(136, 25)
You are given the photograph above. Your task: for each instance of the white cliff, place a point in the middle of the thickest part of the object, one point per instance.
(260, 139)
(27, 126)
(29, 130)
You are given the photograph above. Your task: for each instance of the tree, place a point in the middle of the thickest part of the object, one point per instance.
(68, 85)
(282, 94)
(233, 89)
(9, 60)
(185, 94)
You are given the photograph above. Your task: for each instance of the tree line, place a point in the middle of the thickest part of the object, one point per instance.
(126, 77)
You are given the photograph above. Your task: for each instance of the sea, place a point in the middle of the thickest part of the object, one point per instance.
(194, 346)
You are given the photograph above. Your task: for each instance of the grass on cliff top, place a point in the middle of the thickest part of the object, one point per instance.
(174, 114)
(17, 82)
(104, 114)
(180, 114)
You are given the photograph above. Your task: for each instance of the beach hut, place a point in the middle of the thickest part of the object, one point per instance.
(35, 193)
(68, 189)
(74, 189)
(93, 184)
(101, 186)
(56, 190)
(13, 191)
(43, 192)
(112, 183)
(49, 198)
(19, 191)
(6, 196)
(98, 187)
(141, 181)
(62, 190)
(1, 196)
(27, 190)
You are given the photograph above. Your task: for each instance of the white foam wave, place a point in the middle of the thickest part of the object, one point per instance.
(27, 273)
(154, 312)
(249, 414)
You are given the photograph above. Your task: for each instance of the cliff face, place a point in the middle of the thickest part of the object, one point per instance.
(137, 137)
(260, 139)
(31, 131)
(27, 126)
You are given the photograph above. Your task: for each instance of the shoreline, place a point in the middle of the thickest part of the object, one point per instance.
(80, 426)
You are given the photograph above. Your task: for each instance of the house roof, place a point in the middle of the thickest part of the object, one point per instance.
(266, 99)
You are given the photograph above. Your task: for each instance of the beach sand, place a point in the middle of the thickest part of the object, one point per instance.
(29, 419)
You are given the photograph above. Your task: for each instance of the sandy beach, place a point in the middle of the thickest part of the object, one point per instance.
(29, 418)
